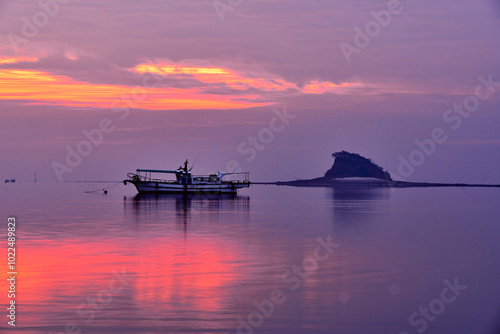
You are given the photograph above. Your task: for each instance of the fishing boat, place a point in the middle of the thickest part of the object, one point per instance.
(148, 181)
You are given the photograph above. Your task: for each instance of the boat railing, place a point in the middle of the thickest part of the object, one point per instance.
(236, 182)
(201, 179)
(245, 180)
(138, 177)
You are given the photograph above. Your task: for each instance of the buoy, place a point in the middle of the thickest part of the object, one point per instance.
(103, 189)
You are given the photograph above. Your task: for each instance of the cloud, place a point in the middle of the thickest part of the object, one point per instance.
(296, 41)
(267, 51)
(159, 85)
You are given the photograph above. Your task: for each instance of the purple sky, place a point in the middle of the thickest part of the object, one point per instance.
(274, 55)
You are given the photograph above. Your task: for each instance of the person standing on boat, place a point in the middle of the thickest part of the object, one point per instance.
(185, 169)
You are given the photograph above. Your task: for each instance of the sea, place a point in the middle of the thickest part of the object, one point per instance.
(273, 259)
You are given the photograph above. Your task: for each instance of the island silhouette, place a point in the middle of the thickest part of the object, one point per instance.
(351, 169)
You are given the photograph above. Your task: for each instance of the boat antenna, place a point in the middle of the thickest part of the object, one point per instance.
(196, 159)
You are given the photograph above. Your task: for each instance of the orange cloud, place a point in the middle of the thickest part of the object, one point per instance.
(13, 60)
(227, 77)
(315, 87)
(241, 81)
(46, 88)
(213, 88)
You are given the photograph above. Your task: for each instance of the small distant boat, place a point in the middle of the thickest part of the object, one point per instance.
(185, 182)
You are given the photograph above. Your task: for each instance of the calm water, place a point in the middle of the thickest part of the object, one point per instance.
(272, 260)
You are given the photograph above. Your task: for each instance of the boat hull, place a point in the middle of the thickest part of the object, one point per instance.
(146, 187)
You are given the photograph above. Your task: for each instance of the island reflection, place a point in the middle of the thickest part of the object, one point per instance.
(355, 205)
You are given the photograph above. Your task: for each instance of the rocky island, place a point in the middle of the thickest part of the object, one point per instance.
(351, 169)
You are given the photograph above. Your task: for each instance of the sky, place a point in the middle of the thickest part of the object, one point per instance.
(92, 90)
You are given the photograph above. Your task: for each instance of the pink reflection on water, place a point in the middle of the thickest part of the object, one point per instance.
(166, 274)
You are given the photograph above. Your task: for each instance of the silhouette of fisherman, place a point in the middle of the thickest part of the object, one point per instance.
(185, 168)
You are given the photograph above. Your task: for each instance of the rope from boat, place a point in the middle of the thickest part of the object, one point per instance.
(103, 189)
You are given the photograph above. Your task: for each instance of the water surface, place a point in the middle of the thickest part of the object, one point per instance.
(255, 263)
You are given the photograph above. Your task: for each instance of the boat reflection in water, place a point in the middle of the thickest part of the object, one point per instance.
(182, 208)
(186, 260)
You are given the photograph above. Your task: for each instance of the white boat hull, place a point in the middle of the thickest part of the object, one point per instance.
(146, 187)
